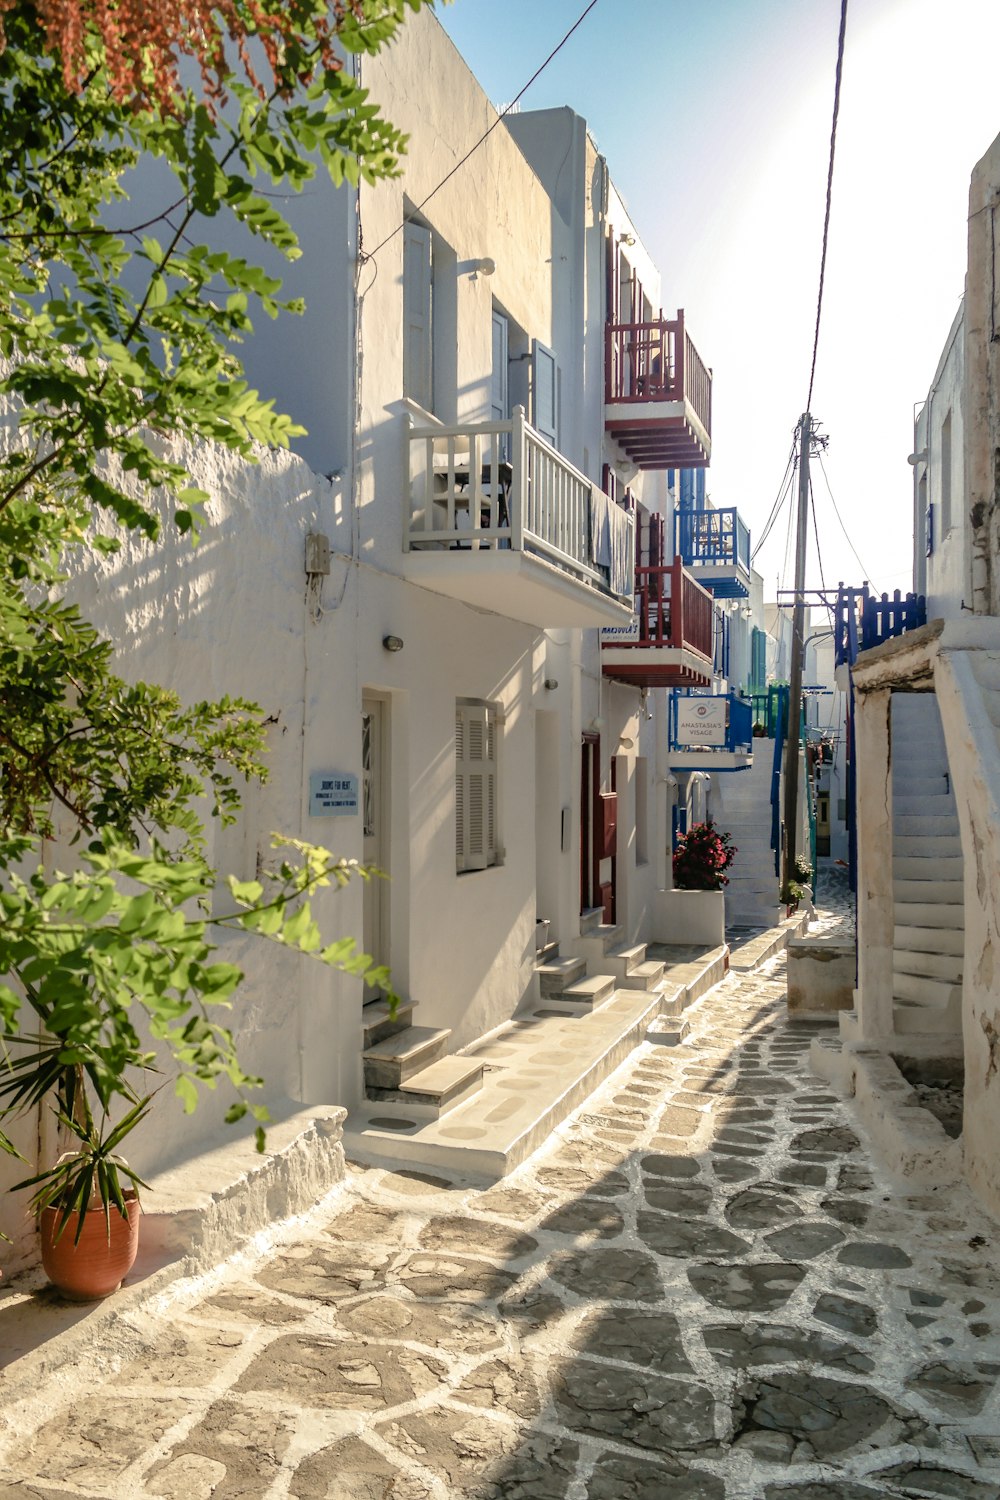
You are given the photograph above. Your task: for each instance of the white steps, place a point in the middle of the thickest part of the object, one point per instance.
(928, 877)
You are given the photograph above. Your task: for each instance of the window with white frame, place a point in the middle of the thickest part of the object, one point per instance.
(418, 342)
(478, 729)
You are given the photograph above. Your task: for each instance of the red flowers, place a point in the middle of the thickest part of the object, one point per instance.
(701, 859)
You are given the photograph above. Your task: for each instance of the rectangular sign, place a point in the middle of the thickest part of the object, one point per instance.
(332, 794)
(613, 633)
(701, 721)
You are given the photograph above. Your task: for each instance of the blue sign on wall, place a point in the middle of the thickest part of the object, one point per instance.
(332, 794)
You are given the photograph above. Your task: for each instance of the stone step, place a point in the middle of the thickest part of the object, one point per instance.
(377, 1023)
(922, 785)
(644, 976)
(922, 990)
(928, 940)
(437, 1088)
(925, 846)
(928, 914)
(931, 965)
(920, 825)
(909, 1019)
(589, 992)
(941, 892)
(909, 804)
(391, 1062)
(591, 917)
(626, 957)
(547, 952)
(598, 939)
(920, 867)
(554, 976)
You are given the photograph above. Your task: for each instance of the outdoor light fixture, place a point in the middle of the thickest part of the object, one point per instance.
(392, 642)
(484, 267)
(551, 683)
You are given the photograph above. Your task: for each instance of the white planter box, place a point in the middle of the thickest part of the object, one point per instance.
(690, 917)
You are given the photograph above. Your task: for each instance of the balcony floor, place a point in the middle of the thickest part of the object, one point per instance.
(710, 760)
(656, 666)
(518, 585)
(659, 434)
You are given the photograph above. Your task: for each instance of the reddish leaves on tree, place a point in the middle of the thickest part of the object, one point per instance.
(141, 44)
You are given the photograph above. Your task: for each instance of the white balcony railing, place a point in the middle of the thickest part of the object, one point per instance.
(499, 486)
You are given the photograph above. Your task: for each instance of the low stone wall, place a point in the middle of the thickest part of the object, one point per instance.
(691, 917)
(821, 974)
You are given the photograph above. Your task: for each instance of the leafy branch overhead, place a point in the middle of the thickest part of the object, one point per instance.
(135, 142)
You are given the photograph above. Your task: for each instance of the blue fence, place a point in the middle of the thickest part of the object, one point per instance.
(863, 620)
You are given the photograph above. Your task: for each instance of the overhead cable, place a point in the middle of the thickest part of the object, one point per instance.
(843, 528)
(779, 501)
(829, 196)
(489, 131)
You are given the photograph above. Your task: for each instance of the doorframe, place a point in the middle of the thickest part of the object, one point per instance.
(379, 890)
(590, 819)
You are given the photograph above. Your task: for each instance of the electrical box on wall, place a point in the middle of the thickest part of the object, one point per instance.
(317, 554)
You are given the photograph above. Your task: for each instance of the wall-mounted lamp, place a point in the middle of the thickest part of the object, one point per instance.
(551, 683)
(628, 239)
(917, 458)
(597, 724)
(484, 267)
(392, 642)
(625, 742)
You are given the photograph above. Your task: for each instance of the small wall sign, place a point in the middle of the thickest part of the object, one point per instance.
(332, 794)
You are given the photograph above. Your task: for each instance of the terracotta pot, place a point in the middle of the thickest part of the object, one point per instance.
(96, 1266)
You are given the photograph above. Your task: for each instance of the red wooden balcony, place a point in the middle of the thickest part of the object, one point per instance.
(657, 394)
(669, 641)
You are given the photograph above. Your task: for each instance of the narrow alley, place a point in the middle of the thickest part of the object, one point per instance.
(702, 1287)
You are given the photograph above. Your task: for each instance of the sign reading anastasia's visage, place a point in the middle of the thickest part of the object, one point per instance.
(701, 721)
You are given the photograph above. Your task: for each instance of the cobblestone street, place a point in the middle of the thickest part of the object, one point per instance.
(701, 1288)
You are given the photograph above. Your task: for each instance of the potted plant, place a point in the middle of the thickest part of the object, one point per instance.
(702, 857)
(87, 1203)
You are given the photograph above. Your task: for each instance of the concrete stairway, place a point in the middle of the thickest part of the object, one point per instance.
(404, 1064)
(745, 814)
(927, 874)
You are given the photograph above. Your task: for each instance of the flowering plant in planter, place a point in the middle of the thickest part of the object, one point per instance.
(702, 858)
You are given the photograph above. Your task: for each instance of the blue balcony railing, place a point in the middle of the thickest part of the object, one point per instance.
(709, 722)
(718, 540)
(864, 620)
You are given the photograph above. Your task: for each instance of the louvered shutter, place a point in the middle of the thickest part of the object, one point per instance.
(417, 365)
(475, 786)
(545, 393)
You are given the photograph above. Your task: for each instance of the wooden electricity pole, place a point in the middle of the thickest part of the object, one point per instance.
(795, 672)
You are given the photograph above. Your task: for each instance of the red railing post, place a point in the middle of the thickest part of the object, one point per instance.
(680, 356)
(677, 603)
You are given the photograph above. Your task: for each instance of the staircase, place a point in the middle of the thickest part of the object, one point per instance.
(619, 966)
(405, 1065)
(745, 814)
(927, 874)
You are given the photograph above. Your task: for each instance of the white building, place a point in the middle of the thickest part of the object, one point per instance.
(496, 411)
(928, 767)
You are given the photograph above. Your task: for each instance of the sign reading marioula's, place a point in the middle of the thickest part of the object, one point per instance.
(701, 721)
(621, 633)
(332, 794)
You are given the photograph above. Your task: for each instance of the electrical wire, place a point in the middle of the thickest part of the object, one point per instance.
(819, 554)
(779, 501)
(829, 196)
(488, 132)
(840, 518)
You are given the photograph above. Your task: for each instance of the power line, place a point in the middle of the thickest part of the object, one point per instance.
(843, 528)
(488, 132)
(819, 554)
(829, 196)
(779, 501)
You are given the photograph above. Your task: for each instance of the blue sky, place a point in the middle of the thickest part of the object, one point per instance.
(714, 116)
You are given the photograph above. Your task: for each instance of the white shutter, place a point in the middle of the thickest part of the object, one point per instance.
(475, 786)
(417, 364)
(545, 392)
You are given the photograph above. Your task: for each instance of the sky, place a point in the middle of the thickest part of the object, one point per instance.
(715, 117)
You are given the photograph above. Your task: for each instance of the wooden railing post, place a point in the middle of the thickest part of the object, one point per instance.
(677, 603)
(519, 480)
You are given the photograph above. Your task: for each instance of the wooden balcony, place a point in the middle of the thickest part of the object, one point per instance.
(715, 545)
(668, 642)
(496, 517)
(657, 395)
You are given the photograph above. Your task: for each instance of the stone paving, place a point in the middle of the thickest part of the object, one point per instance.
(700, 1289)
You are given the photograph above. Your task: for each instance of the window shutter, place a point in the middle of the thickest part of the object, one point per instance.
(475, 786)
(417, 365)
(545, 392)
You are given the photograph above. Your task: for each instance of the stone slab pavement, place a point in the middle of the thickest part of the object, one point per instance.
(702, 1288)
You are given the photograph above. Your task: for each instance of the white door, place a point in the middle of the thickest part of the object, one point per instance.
(375, 935)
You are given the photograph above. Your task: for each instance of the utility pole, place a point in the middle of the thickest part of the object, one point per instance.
(795, 671)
